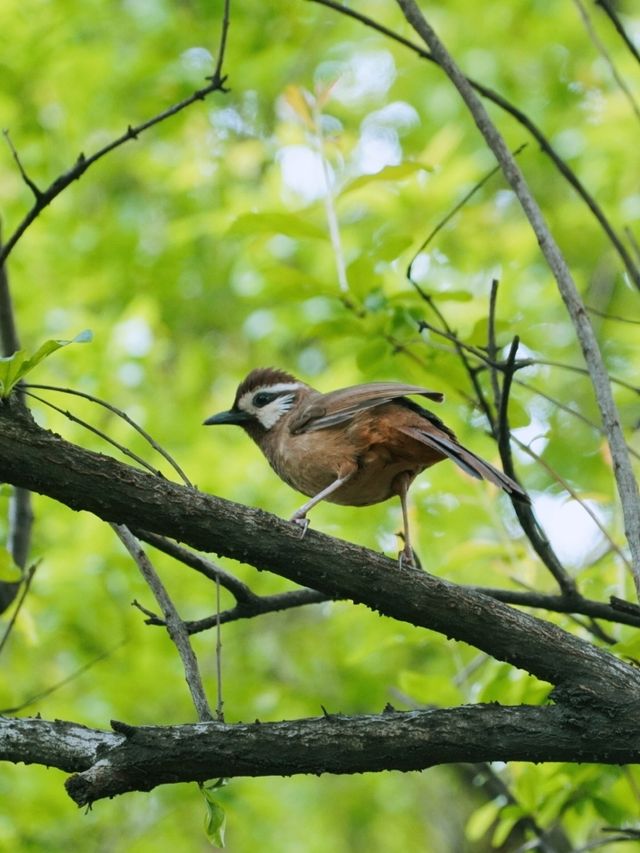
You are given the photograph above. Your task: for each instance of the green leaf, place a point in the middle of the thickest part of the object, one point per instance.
(481, 820)
(9, 571)
(389, 173)
(215, 818)
(15, 367)
(9, 369)
(509, 817)
(629, 648)
(275, 223)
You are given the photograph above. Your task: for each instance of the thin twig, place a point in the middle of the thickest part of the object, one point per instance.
(632, 269)
(526, 516)
(174, 624)
(226, 21)
(125, 417)
(604, 53)
(457, 207)
(574, 368)
(568, 488)
(32, 186)
(219, 701)
(615, 317)
(461, 350)
(570, 411)
(492, 349)
(26, 584)
(624, 476)
(42, 694)
(76, 420)
(610, 12)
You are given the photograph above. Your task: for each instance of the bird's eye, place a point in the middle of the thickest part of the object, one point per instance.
(262, 398)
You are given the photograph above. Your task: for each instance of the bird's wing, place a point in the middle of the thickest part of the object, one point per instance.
(466, 459)
(327, 410)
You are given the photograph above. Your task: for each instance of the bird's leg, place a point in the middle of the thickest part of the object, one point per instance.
(300, 515)
(406, 555)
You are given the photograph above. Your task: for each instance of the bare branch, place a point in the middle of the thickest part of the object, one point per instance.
(570, 411)
(334, 743)
(610, 12)
(226, 21)
(174, 624)
(32, 186)
(57, 685)
(261, 605)
(140, 758)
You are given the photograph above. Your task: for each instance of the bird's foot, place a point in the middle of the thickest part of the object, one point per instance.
(302, 521)
(409, 559)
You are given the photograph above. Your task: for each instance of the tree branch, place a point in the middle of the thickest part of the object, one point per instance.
(174, 624)
(34, 458)
(140, 758)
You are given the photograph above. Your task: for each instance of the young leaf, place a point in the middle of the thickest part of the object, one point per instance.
(215, 818)
(9, 369)
(15, 367)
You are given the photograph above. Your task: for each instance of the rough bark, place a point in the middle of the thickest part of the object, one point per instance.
(138, 759)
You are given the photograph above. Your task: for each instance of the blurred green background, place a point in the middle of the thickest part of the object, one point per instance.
(202, 250)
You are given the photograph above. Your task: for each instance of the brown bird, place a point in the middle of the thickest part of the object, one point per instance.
(357, 446)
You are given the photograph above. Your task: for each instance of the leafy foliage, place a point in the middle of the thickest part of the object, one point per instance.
(202, 250)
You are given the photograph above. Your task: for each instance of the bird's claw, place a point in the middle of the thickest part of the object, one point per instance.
(409, 560)
(303, 522)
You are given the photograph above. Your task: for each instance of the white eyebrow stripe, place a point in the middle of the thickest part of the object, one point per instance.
(279, 388)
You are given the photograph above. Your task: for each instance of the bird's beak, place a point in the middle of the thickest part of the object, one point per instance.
(230, 417)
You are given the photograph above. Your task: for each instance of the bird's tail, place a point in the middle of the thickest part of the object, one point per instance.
(467, 460)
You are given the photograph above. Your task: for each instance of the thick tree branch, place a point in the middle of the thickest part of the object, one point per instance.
(34, 458)
(139, 759)
(625, 480)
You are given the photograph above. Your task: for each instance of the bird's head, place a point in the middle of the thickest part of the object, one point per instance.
(261, 400)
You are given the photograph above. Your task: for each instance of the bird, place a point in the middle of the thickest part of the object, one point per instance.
(356, 446)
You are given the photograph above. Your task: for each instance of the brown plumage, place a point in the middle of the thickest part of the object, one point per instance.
(355, 446)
